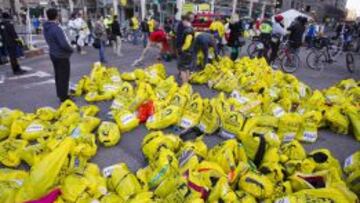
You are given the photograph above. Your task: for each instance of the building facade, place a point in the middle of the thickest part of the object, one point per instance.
(320, 9)
(246, 8)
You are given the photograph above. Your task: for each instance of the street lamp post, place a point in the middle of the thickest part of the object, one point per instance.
(234, 5)
(143, 9)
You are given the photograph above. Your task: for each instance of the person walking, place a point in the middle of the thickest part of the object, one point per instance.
(134, 25)
(60, 52)
(236, 29)
(185, 42)
(11, 42)
(82, 32)
(100, 37)
(145, 31)
(116, 33)
(203, 42)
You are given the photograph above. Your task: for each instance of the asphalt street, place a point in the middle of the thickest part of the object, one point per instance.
(37, 89)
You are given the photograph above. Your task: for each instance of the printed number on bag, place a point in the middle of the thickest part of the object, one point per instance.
(283, 200)
(310, 136)
(108, 170)
(348, 161)
(116, 105)
(227, 135)
(115, 78)
(127, 119)
(110, 88)
(34, 128)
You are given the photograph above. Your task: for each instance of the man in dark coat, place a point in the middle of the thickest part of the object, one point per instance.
(11, 42)
(60, 52)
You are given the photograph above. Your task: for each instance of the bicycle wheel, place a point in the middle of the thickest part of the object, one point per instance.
(350, 62)
(316, 60)
(290, 62)
(276, 64)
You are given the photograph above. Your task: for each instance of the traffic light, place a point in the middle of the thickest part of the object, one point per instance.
(278, 3)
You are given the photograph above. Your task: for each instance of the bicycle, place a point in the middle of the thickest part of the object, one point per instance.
(287, 58)
(254, 46)
(327, 54)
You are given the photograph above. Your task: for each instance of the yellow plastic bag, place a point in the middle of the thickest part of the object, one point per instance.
(108, 134)
(126, 121)
(10, 150)
(324, 160)
(222, 191)
(8, 116)
(90, 110)
(308, 131)
(85, 145)
(209, 121)
(231, 124)
(257, 185)
(32, 154)
(44, 174)
(353, 182)
(289, 126)
(87, 125)
(35, 130)
(111, 198)
(352, 163)
(190, 154)
(96, 183)
(292, 151)
(46, 113)
(67, 107)
(353, 114)
(130, 76)
(164, 118)
(122, 181)
(4, 132)
(73, 187)
(338, 122)
(154, 141)
(192, 113)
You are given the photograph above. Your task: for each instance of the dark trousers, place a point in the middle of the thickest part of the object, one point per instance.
(274, 51)
(62, 76)
(205, 50)
(13, 59)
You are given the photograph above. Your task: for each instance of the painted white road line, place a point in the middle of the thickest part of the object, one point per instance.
(39, 74)
(2, 79)
(27, 68)
(51, 81)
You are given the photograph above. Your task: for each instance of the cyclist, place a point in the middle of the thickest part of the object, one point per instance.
(265, 36)
(297, 29)
(278, 32)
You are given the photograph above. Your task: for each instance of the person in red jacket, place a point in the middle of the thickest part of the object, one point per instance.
(159, 39)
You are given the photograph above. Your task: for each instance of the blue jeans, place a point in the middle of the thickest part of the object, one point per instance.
(145, 39)
(102, 52)
(135, 37)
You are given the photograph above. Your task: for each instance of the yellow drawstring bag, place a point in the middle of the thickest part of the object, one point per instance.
(292, 151)
(154, 141)
(35, 130)
(190, 154)
(324, 160)
(90, 110)
(96, 183)
(108, 133)
(145, 197)
(289, 126)
(7, 116)
(308, 131)
(353, 114)
(44, 174)
(222, 191)
(46, 113)
(231, 124)
(85, 145)
(86, 125)
(73, 187)
(245, 197)
(337, 121)
(32, 154)
(352, 163)
(10, 150)
(67, 107)
(126, 121)
(192, 113)
(353, 182)
(209, 121)
(257, 185)
(4, 132)
(123, 182)
(163, 118)
(111, 198)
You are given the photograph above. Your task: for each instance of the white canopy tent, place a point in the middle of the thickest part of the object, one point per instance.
(290, 16)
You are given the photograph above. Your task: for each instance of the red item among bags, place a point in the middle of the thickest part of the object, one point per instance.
(145, 110)
(49, 198)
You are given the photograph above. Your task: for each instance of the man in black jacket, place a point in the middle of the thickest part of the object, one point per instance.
(11, 41)
(60, 52)
(297, 30)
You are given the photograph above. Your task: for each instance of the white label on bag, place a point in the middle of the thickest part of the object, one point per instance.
(115, 78)
(150, 119)
(116, 105)
(272, 93)
(274, 136)
(2, 127)
(283, 200)
(110, 88)
(310, 136)
(185, 156)
(202, 126)
(301, 111)
(19, 182)
(127, 118)
(227, 135)
(34, 128)
(75, 133)
(185, 123)
(289, 137)
(278, 111)
(242, 100)
(108, 170)
(302, 90)
(348, 161)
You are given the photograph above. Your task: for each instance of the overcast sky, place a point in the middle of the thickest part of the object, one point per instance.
(351, 4)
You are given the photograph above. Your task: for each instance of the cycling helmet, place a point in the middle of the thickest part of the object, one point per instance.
(279, 18)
